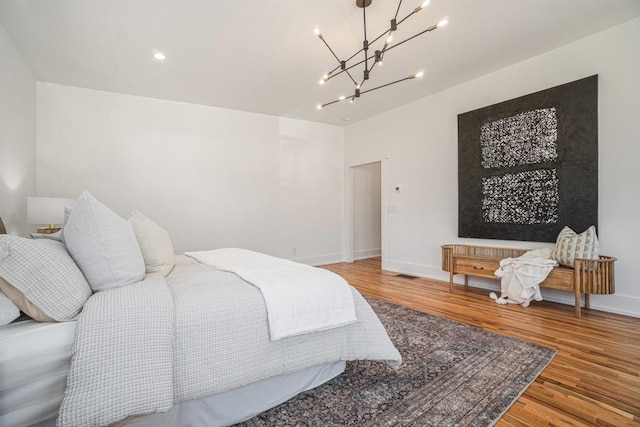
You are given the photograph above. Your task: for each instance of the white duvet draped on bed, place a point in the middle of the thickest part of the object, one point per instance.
(145, 347)
(299, 298)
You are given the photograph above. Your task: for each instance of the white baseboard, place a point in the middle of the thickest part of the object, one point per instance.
(428, 271)
(320, 259)
(620, 304)
(367, 253)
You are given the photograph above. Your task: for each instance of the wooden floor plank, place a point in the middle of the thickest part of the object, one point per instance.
(594, 380)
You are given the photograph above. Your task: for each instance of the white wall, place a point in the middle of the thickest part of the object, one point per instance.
(366, 211)
(421, 142)
(212, 177)
(17, 136)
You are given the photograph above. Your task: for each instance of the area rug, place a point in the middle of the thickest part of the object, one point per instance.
(452, 374)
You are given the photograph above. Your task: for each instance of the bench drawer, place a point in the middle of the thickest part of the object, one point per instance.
(475, 267)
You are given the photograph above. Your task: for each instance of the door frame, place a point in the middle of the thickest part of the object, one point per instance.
(349, 217)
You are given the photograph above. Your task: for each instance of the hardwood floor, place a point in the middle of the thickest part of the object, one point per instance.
(594, 380)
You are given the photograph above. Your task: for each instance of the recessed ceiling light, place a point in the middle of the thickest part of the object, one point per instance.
(159, 56)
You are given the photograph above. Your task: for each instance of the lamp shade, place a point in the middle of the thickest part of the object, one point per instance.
(47, 210)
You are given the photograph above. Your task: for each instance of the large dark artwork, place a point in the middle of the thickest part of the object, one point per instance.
(529, 166)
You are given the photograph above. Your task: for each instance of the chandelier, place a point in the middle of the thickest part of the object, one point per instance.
(369, 61)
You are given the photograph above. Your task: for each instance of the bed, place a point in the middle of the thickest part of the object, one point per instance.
(185, 343)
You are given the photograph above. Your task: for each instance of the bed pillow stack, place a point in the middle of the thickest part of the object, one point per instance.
(49, 277)
(103, 245)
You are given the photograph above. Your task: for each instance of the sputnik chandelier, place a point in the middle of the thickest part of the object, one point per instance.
(345, 68)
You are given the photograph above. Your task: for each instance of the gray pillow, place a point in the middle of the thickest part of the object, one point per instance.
(103, 245)
(45, 273)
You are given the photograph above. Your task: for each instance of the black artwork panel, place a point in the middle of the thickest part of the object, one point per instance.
(529, 166)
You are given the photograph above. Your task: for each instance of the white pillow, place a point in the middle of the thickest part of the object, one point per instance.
(8, 310)
(155, 244)
(103, 245)
(570, 246)
(43, 271)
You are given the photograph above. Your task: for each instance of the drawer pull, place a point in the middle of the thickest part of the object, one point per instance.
(475, 267)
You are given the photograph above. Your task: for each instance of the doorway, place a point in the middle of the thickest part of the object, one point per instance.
(365, 221)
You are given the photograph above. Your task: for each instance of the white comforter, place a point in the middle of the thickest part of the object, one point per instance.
(144, 347)
(299, 298)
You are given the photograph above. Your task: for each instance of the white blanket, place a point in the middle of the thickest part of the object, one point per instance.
(521, 277)
(299, 298)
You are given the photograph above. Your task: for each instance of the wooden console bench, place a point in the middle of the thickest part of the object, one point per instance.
(589, 276)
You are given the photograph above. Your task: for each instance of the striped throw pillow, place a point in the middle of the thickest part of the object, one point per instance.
(570, 246)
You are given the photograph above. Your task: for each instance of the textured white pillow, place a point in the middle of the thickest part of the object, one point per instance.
(43, 271)
(8, 310)
(103, 245)
(155, 244)
(570, 246)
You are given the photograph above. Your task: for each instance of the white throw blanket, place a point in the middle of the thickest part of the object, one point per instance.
(521, 277)
(299, 298)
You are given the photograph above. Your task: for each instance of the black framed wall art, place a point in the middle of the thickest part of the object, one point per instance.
(529, 166)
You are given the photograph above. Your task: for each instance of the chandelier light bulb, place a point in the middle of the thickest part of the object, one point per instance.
(316, 31)
(159, 56)
(319, 107)
(342, 97)
(322, 81)
(389, 39)
(443, 23)
(424, 4)
(419, 74)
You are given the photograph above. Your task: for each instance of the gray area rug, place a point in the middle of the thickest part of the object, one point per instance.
(452, 374)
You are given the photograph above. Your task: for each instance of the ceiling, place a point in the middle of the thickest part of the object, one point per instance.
(263, 57)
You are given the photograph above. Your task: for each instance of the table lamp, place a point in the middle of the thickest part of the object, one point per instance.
(47, 210)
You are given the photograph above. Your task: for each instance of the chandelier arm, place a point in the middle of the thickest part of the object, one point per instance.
(398, 9)
(410, 38)
(350, 76)
(365, 43)
(370, 90)
(413, 12)
(331, 72)
(331, 50)
(329, 103)
(387, 84)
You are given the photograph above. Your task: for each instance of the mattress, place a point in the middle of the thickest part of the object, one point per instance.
(34, 360)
